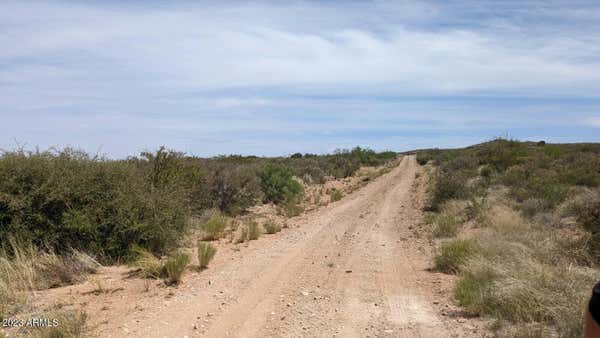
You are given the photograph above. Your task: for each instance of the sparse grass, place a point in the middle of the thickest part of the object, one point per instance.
(446, 223)
(271, 227)
(335, 195)
(522, 275)
(150, 266)
(28, 268)
(530, 269)
(70, 324)
(445, 226)
(291, 209)
(206, 252)
(214, 228)
(174, 268)
(453, 255)
(253, 231)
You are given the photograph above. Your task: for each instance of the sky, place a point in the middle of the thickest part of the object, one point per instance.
(274, 78)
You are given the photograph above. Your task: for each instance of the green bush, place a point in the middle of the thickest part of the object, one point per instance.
(68, 199)
(206, 252)
(278, 185)
(453, 255)
(446, 187)
(174, 268)
(233, 188)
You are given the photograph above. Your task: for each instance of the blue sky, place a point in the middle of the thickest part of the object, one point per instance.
(273, 78)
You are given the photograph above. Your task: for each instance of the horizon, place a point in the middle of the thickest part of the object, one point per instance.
(271, 79)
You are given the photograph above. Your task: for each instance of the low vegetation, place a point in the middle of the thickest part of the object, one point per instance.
(174, 268)
(253, 231)
(28, 268)
(522, 219)
(214, 228)
(271, 227)
(206, 252)
(170, 269)
(335, 195)
(453, 255)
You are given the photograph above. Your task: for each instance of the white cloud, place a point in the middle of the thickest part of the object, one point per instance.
(224, 46)
(593, 121)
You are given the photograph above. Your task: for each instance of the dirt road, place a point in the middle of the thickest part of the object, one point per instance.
(355, 268)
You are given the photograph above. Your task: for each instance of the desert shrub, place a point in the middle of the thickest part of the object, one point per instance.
(272, 227)
(502, 154)
(68, 199)
(206, 252)
(213, 228)
(446, 187)
(234, 188)
(278, 185)
(453, 255)
(335, 195)
(253, 231)
(486, 172)
(174, 268)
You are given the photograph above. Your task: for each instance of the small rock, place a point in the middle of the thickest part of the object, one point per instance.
(348, 271)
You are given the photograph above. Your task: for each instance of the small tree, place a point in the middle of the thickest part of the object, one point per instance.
(278, 184)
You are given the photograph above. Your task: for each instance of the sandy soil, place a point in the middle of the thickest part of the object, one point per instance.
(358, 267)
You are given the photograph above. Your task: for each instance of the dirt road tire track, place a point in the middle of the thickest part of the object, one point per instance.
(351, 269)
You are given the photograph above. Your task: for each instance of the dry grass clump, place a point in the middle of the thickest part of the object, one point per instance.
(447, 222)
(291, 209)
(453, 255)
(242, 235)
(253, 231)
(214, 228)
(71, 324)
(28, 268)
(174, 268)
(272, 227)
(521, 277)
(335, 195)
(171, 270)
(149, 266)
(206, 252)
